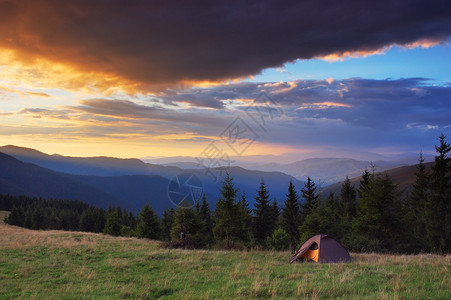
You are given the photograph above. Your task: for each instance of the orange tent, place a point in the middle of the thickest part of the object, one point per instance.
(323, 249)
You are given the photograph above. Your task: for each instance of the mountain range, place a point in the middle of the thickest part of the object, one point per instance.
(130, 183)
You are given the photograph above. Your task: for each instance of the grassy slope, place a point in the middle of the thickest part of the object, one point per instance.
(58, 264)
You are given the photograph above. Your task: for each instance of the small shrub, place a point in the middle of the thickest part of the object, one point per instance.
(279, 240)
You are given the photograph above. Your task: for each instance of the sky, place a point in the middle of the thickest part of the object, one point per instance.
(213, 79)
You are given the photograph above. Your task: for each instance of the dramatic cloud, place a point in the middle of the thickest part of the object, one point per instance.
(146, 44)
(354, 112)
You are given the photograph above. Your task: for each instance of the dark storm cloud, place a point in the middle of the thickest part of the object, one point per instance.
(163, 42)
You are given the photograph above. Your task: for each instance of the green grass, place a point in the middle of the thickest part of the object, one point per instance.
(73, 265)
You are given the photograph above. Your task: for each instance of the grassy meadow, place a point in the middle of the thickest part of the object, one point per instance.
(73, 265)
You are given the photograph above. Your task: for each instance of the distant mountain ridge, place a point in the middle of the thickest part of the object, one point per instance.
(129, 191)
(19, 178)
(94, 166)
(326, 170)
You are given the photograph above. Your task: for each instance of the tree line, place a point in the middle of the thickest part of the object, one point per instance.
(375, 216)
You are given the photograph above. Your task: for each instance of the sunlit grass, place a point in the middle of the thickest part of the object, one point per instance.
(58, 264)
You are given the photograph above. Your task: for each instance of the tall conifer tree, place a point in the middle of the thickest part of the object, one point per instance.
(291, 215)
(263, 223)
(418, 200)
(229, 224)
(364, 182)
(148, 224)
(379, 212)
(438, 227)
(166, 223)
(311, 198)
(348, 199)
(205, 215)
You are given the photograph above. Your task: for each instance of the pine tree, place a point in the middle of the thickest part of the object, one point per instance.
(379, 213)
(100, 220)
(418, 200)
(246, 212)
(348, 199)
(87, 221)
(229, 224)
(128, 224)
(132, 221)
(119, 214)
(74, 220)
(64, 220)
(438, 225)
(364, 182)
(112, 223)
(28, 218)
(125, 219)
(167, 222)
(275, 214)
(148, 225)
(187, 228)
(311, 198)
(38, 219)
(291, 215)
(198, 204)
(54, 222)
(337, 224)
(325, 218)
(16, 217)
(263, 223)
(205, 215)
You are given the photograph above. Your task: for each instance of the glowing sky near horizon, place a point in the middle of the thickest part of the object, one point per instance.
(82, 79)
